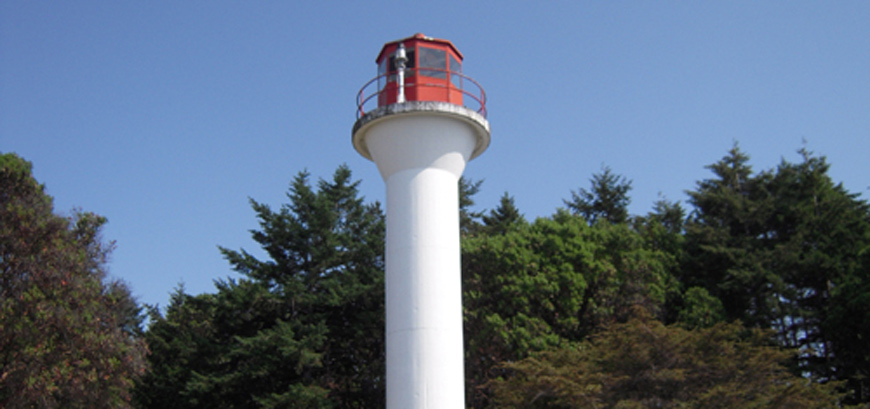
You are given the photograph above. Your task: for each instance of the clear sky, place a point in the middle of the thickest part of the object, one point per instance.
(166, 116)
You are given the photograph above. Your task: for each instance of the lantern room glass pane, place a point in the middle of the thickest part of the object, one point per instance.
(455, 67)
(382, 69)
(412, 62)
(409, 65)
(433, 58)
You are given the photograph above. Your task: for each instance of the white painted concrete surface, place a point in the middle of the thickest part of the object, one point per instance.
(421, 156)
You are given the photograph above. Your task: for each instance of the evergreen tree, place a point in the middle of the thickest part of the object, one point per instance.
(780, 249)
(820, 234)
(68, 337)
(670, 215)
(662, 229)
(503, 218)
(469, 220)
(304, 329)
(607, 200)
(724, 240)
(183, 345)
(847, 327)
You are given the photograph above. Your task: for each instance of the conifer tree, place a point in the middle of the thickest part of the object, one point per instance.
(302, 329)
(723, 237)
(607, 200)
(469, 220)
(503, 218)
(780, 249)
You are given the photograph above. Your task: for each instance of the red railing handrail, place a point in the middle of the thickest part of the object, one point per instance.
(362, 98)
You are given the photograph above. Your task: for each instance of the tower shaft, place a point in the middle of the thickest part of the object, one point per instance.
(421, 158)
(423, 291)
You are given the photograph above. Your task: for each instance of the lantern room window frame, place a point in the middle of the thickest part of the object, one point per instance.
(433, 72)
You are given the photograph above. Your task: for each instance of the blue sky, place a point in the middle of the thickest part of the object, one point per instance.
(166, 116)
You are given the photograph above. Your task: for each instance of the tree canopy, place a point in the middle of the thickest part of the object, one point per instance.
(550, 284)
(752, 294)
(69, 337)
(302, 329)
(644, 364)
(780, 248)
(607, 198)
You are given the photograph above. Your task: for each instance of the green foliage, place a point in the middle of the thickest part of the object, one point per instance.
(645, 364)
(725, 237)
(303, 329)
(68, 337)
(607, 200)
(848, 328)
(780, 249)
(551, 284)
(558, 312)
(700, 309)
(469, 220)
(504, 218)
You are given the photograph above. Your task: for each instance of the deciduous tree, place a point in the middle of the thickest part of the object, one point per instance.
(548, 284)
(645, 364)
(69, 337)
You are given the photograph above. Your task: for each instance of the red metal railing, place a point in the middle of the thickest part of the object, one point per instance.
(368, 95)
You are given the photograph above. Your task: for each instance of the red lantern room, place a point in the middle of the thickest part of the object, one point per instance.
(420, 68)
(432, 71)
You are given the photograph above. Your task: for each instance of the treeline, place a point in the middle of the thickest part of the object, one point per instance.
(758, 295)
(754, 294)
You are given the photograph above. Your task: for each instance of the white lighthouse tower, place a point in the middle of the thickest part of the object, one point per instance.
(426, 122)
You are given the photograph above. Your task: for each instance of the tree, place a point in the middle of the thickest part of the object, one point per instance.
(181, 344)
(662, 230)
(607, 200)
(503, 218)
(782, 249)
(302, 329)
(559, 309)
(549, 284)
(643, 363)
(68, 336)
(469, 220)
(670, 215)
(724, 236)
(821, 235)
(847, 326)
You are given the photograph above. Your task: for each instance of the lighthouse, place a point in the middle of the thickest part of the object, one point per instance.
(421, 120)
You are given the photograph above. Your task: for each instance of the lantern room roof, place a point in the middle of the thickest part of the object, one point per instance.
(419, 37)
